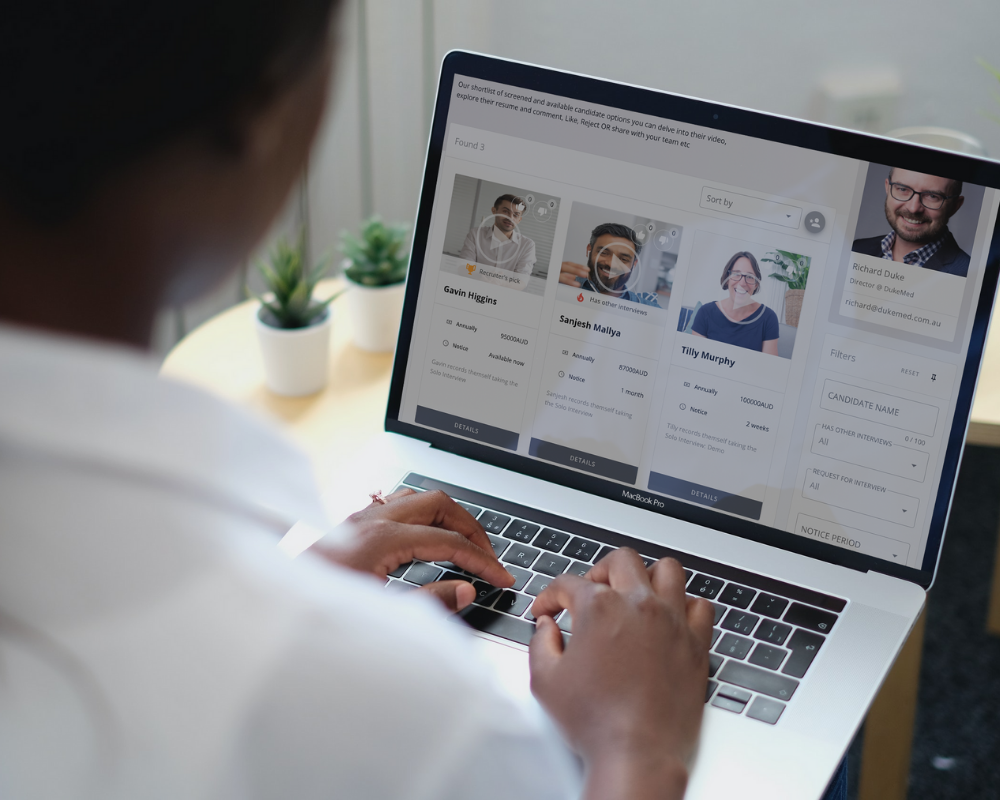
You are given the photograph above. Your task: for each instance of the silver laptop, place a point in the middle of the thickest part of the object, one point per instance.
(745, 341)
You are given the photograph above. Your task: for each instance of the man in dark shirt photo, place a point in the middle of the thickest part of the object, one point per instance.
(918, 207)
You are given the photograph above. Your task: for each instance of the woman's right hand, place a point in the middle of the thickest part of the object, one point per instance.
(628, 689)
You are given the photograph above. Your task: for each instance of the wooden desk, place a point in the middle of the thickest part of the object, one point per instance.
(222, 356)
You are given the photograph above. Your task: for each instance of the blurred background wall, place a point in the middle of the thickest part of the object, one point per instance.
(896, 65)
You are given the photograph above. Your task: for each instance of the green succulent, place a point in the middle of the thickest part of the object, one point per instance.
(292, 283)
(378, 256)
(996, 74)
(794, 268)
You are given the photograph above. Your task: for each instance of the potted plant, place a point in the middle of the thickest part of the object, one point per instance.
(293, 327)
(794, 273)
(375, 266)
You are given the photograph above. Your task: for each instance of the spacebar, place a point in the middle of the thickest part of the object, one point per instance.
(502, 625)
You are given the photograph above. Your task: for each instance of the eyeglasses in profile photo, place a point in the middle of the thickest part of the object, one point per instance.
(931, 200)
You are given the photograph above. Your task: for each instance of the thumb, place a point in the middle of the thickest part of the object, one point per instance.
(455, 595)
(545, 649)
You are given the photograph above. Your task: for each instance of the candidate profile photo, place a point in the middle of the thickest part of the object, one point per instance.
(744, 294)
(620, 256)
(500, 234)
(915, 218)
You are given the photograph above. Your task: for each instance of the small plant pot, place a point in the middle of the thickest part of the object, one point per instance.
(296, 360)
(793, 306)
(375, 314)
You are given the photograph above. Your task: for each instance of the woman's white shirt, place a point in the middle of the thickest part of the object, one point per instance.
(155, 644)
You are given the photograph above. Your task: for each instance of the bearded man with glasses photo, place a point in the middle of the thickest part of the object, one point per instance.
(739, 319)
(917, 208)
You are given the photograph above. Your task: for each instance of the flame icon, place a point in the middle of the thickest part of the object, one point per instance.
(579, 297)
(470, 268)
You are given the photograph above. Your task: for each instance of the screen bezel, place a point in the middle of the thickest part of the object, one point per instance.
(835, 141)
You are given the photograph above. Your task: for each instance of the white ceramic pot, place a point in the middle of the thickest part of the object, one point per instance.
(375, 313)
(296, 360)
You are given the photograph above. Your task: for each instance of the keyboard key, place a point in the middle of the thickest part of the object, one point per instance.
(766, 710)
(398, 572)
(493, 522)
(499, 545)
(714, 662)
(711, 687)
(550, 564)
(521, 531)
(736, 595)
(581, 549)
(551, 540)
(521, 555)
(512, 603)
(502, 625)
(538, 585)
(716, 633)
(769, 606)
(521, 577)
(721, 701)
(578, 568)
(422, 574)
(758, 680)
(719, 612)
(605, 551)
(764, 655)
(734, 646)
(704, 586)
(812, 618)
(687, 576)
(399, 586)
(485, 593)
(453, 576)
(772, 632)
(733, 693)
(474, 510)
(740, 621)
(804, 646)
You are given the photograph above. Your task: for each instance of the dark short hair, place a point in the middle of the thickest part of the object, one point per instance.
(513, 199)
(90, 87)
(618, 230)
(955, 190)
(732, 262)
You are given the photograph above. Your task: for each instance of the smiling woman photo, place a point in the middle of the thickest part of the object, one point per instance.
(739, 319)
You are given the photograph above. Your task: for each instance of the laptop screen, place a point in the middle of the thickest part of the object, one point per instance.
(756, 324)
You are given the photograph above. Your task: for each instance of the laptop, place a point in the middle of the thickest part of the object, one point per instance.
(748, 342)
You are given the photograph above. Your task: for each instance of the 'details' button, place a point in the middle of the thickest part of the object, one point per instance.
(468, 428)
(588, 462)
(705, 495)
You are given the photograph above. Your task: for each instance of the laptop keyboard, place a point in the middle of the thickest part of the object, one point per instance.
(766, 632)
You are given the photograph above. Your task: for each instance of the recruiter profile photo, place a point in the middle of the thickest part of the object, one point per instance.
(732, 298)
(620, 256)
(915, 218)
(500, 234)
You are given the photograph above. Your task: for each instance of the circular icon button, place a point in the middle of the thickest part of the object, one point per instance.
(529, 199)
(664, 239)
(815, 222)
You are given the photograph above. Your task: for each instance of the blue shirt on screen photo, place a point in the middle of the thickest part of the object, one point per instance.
(751, 333)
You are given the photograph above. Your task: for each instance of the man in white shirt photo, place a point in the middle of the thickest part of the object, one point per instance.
(497, 242)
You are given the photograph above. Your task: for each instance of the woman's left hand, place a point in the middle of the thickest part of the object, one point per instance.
(429, 526)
